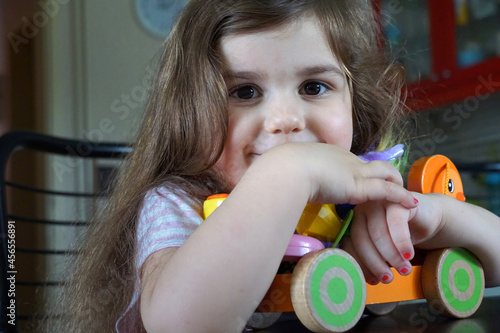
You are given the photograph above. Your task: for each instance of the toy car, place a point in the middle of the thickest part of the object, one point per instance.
(327, 289)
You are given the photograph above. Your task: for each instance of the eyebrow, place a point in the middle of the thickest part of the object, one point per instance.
(327, 69)
(244, 75)
(313, 70)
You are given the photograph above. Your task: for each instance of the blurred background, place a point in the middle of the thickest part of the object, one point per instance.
(82, 69)
(450, 52)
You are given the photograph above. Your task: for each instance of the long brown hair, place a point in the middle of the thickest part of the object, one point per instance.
(185, 128)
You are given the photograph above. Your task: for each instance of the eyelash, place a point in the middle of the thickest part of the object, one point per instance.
(254, 90)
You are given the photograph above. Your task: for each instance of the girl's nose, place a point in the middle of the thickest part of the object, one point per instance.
(284, 122)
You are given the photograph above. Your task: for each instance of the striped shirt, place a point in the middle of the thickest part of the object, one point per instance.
(166, 220)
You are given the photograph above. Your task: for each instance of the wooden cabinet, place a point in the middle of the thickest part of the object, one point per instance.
(451, 47)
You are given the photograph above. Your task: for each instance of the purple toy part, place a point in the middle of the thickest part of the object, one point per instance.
(384, 155)
(301, 245)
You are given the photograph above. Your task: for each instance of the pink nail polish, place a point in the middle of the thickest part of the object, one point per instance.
(406, 255)
(404, 270)
(415, 201)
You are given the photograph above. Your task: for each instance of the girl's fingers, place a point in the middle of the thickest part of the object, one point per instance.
(367, 250)
(348, 246)
(397, 221)
(374, 189)
(378, 229)
(379, 233)
(383, 170)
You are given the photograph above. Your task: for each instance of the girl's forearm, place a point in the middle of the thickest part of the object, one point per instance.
(226, 266)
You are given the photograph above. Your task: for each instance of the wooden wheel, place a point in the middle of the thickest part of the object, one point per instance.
(453, 282)
(328, 291)
(380, 309)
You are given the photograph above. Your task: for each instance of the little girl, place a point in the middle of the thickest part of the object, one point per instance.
(270, 101)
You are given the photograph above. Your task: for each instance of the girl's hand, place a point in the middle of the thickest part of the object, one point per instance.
(337, 175)
(380, 238)
(383, 235)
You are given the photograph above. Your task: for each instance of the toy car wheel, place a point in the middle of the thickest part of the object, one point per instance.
(328, 291)
(453, 282)
(261, 320)
(380, 309)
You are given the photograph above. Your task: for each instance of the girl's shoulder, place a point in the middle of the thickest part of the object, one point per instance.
(168, 209)
(169, 196)
(167, 218)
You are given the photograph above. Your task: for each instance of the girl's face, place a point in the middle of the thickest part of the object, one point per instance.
(285, 85)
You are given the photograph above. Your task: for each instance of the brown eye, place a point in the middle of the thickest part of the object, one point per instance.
(245, 92)
(313, 88)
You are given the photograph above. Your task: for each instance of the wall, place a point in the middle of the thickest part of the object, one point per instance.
(120, 65)
(4, 67)
(94, 72)
(97, 66)
(15, 63)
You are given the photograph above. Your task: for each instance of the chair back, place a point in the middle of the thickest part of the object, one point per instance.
(49, 189)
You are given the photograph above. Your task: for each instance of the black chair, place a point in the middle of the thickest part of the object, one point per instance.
(38, 224)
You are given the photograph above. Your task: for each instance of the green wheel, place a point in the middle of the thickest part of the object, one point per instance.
(328, 291)
(453, 282)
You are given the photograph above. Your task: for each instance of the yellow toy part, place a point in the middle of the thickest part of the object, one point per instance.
(212, 203)
(319, 221)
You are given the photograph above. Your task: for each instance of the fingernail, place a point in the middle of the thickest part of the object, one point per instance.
(415, 201)
(385, 278)
(404, 271)
(373, 282)
(407, 255)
